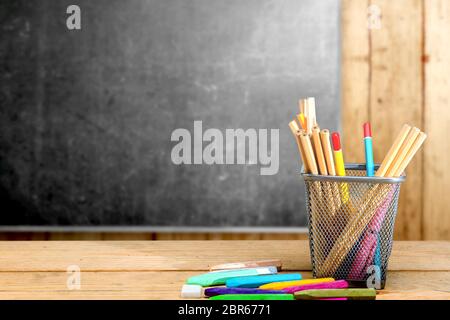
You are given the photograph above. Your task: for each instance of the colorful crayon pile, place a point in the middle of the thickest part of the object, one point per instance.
(259, 280)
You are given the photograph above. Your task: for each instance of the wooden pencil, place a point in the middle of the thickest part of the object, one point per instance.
(315, 198)
(312, 113)
(353, 229)
(309, 153)
(406, 145)
(302, 105)
(308, 123)
(328, 153)
(373, 198)
(412, 151)
(319, 151)
(332, 188)
(393, 151)
(296, 132)
(301, 120)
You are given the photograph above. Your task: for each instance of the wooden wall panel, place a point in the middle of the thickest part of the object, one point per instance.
(396, 95)
(383, 82)
(436, 219)
(355, 76)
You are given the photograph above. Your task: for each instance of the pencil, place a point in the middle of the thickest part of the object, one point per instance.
(301, 120)
(354, 228)
(407, 143)
(372, 201)
(302, 105)
(325, 139)
(319, 151)
(309, 153)
(312, 112)
(412, 151)
(393, 151)
(296, 132)
(328, 154)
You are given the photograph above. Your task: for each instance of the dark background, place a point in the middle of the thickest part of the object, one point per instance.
(86, 116)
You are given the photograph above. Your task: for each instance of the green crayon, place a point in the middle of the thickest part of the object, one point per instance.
(352, 294)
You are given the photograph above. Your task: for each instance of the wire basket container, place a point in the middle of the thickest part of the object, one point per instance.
(351, 224)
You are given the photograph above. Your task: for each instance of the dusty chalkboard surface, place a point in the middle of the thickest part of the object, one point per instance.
(87, 115)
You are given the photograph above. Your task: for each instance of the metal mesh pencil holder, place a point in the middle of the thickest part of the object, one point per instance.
(351, 224)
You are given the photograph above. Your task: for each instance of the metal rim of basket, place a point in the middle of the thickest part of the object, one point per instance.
(353, 166)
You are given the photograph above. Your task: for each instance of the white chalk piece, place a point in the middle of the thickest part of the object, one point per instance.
(191, 291)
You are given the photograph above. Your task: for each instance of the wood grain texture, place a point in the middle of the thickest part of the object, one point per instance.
(127, 236)
(396, 97)
(436, 220)
(158, 269)
(355, 76)
(167, 285)
(193, 255)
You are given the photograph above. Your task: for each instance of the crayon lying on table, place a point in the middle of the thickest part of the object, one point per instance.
(211, 292)
(256, 281)
(284, 296)
(220, 277)
(352, 294)
(338, 284)
(287, 284)
(193, 291)
(247, 264)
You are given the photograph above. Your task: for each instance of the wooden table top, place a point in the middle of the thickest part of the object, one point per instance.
(157, 269)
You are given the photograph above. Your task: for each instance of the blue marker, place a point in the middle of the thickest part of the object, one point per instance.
(370, 167)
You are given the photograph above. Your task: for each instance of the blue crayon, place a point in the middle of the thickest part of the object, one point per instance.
(256, 281)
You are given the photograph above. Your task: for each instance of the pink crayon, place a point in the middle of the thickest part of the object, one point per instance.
(338, 284)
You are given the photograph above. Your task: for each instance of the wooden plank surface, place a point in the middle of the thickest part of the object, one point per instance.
(157, 269)
(193, 255)
(396, 95)
(436, 220)
(167, 285)
(355, 76)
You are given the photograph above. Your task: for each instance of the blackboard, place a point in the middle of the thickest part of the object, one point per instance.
(87, 115)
